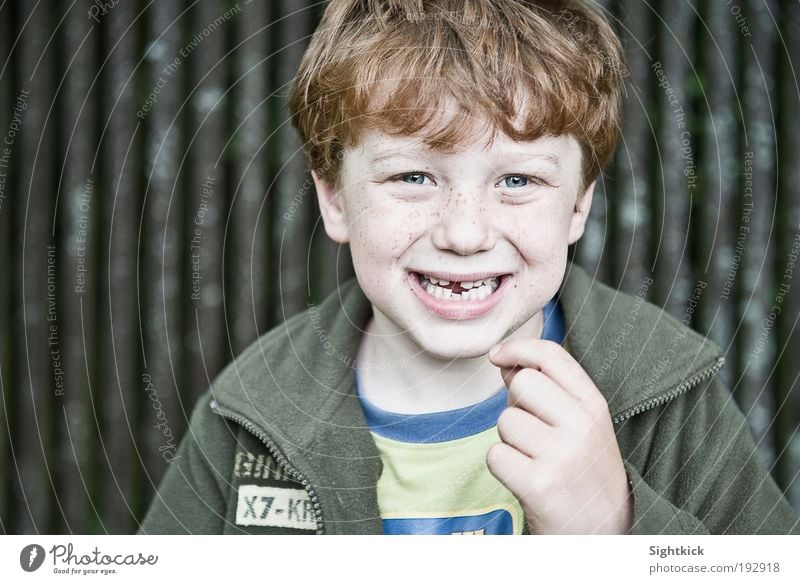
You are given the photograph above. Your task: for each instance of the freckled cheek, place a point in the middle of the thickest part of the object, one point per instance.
(529, 232)
(386, 232)
(540, 241)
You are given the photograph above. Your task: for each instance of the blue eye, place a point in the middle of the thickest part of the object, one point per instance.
(417, 178)
(516, 180)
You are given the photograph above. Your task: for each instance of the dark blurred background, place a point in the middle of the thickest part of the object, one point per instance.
(156, 216)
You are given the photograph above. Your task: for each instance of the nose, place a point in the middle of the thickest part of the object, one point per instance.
(464, 225)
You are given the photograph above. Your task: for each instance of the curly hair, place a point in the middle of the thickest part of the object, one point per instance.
(529, 67)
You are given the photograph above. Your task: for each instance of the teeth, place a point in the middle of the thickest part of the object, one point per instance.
(478, 293)
(435, 281)
(473, 290)
(439, 282)
(477, 290)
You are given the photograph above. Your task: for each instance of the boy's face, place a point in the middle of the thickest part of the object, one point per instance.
(509, 209)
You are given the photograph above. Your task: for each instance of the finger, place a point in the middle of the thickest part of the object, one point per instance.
(511, 467)
(537, 394)
(524, 431)
(508, 373)
(548, 357)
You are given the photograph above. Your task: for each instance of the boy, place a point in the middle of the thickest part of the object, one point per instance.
(455, 146)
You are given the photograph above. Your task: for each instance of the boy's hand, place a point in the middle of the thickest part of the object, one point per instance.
(559, 455)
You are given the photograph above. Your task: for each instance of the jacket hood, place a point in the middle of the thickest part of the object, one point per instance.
(297, 381)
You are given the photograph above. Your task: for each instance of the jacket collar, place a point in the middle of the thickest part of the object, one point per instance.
(634, 351)
(297, 381)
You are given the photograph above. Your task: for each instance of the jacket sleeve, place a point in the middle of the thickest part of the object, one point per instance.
(190, 498)
(695, 469)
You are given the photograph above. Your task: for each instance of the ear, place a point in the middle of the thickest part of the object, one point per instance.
(333, 213)
(580, 214)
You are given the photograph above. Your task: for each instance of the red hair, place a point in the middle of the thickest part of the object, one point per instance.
(532, 68)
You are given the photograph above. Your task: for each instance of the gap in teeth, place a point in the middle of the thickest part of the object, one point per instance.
(473, 290)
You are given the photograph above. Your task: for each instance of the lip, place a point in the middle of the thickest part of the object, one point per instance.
(459, 309)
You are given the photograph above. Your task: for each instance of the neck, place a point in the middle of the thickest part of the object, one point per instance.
(396, 375)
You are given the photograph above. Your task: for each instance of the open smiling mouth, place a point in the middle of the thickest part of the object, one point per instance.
(458, 291)
(459, 299)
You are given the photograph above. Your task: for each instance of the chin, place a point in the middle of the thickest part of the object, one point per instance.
(450, 349)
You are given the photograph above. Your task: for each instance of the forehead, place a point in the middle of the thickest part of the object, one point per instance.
(378, 146)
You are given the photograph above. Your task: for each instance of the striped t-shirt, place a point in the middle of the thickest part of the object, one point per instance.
(435, 479)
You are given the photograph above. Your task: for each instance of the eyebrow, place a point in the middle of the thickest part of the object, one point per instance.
(392, 154)
(513, 157)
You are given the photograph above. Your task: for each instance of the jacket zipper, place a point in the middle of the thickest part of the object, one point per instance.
(669, 396)
(277, 455)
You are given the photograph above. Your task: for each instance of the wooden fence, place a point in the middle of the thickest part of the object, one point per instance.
(156, 216)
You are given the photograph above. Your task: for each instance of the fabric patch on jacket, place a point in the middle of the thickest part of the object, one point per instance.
(261, 466)
(274, 507)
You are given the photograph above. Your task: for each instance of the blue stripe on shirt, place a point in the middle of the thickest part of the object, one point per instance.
(459, 423)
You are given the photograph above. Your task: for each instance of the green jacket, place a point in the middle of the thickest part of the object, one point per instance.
(279, 444)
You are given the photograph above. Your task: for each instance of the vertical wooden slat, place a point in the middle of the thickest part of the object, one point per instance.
(34, 504)
(8, 194)
(591, 251)
(119, 330)
(673, 286)
(632, 190)
(248, 259)
(207, 205)
(79, 196)
(7, 84)
(716, 216)
(291, 236)
(757, 211)
(787, 436)
(162, 244)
